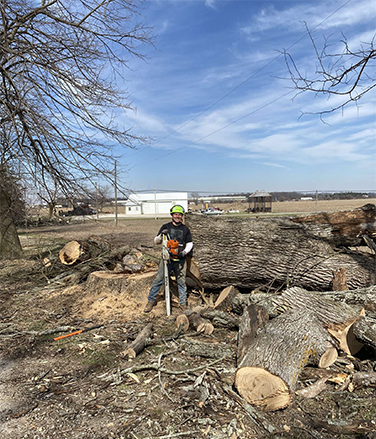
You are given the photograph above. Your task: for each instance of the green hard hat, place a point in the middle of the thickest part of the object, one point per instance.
(177, 209)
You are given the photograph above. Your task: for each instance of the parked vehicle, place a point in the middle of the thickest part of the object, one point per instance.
(232, 211)
(212, 211)
(80, 210)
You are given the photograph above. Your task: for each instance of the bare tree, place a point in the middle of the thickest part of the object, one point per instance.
(60, 62)
(348, 73)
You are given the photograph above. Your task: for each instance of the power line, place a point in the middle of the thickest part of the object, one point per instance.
(237, 87)
(216, 131)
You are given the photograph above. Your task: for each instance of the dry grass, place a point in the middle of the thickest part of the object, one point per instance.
(305, 206)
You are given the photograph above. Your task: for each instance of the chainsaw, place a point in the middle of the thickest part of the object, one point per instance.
(170, 251)
(173, 247)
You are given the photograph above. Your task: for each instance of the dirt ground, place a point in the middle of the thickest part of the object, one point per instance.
(181, 385)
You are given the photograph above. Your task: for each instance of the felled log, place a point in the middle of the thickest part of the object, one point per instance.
(74, 251)
(141, 341)
(364, 330)
(362, 297)
(268, 373)
(339, 280)
(364, 379)
(252, 253)
(77, 251)
(336, 317)
(344, 228)
(253, 319)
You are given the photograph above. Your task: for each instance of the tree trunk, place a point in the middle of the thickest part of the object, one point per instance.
(271, 253)
(268, 373)
(344, 228)
(10, 246)
(362, 297)
(254, 318)
(364, 330)
(336, 317)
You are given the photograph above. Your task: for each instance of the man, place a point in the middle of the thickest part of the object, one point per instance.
(178, 231)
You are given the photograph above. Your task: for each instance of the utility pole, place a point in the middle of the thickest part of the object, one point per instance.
(96, 200)
(316, 199)
(155, 204)
(116, 205)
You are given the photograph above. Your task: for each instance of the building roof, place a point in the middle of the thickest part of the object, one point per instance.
(260, 194)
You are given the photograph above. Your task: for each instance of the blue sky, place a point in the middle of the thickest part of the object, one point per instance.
(213, 98)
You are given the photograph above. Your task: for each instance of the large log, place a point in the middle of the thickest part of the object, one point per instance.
(336, 317)
(268, 373)
(362, 297)
(344, 228)
(272, 253)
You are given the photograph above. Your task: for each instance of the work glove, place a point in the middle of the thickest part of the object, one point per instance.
(164, 232)
(182, 254)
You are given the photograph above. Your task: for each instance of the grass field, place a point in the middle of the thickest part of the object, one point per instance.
(306, 206)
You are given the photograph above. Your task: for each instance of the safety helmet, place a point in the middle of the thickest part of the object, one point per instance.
(177, 209)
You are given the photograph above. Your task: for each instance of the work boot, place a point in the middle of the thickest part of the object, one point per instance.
(150, 306)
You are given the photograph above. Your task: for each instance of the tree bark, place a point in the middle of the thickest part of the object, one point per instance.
(268, 373)
(364, 330)
(10, 246)
(254, 318)
(344, 228)
(271, 253)
(336, 317)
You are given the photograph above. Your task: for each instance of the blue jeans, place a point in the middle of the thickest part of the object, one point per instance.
(180, 270)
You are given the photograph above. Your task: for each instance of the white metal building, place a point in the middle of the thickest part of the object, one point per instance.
(154, 203)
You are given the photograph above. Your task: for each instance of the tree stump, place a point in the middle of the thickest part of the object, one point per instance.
(141, 341)
(116, 283)
(268, 372)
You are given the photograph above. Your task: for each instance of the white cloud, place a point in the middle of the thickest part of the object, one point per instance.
(335, 150)
(351, 14)
(274, 165)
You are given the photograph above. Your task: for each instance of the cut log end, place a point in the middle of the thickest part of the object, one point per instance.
(131, 353)
(262, 389)
(183, 322)
(206, 328)
(328, 358)
(71, 253)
